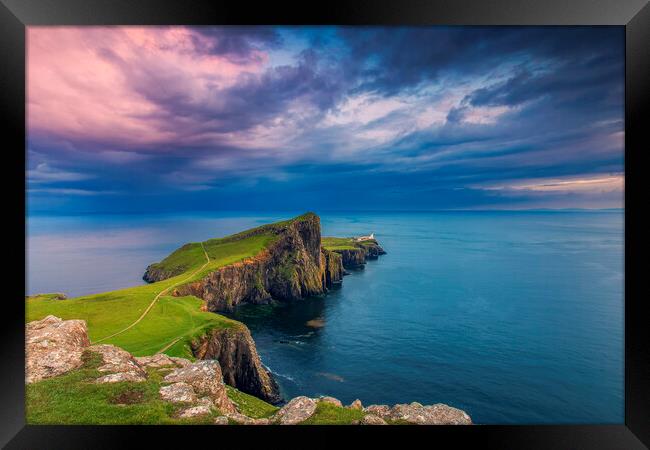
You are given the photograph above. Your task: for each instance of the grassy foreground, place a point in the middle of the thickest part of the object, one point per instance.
(73, 399)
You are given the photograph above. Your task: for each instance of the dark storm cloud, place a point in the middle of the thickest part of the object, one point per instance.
(435, 115)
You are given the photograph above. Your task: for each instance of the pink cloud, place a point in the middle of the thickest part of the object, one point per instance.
(93, 83)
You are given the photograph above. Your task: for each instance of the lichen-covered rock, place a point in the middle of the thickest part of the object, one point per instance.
(297, 410)
(53, 347)
(371, 419)
(378, 410)
(221, 420)
(180, 392)
(438, 414)
(356, 404)
(206, 379)
(161, 360)
(118, 364)
(241, 366)
(195, 411)
(331, 400)
(245, 420)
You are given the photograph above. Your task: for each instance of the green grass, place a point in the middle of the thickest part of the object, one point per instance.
(334, 243)
(329, 414)
(249, 405)
(224, 251)
(73, 398)
(189, 256)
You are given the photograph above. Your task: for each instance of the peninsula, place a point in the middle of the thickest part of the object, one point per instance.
(144, 347)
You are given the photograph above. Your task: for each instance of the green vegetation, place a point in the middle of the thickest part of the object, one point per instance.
(189, 256)
(329, 414)
(249, 405)
(73, 398)
(334, 243)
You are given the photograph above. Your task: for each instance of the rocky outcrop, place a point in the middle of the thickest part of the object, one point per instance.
(418, 414)
(371, 419)
(292, 267)
(241, 419)
(297, 410)
(352, 258)
(240, 364)
(334, 270)
(53, 347)
(118, 365)
(205, 379)
(161, 360)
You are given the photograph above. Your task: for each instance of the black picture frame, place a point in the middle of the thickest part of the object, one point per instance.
(634, 15)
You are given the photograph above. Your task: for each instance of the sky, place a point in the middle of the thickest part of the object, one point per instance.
(174, 119)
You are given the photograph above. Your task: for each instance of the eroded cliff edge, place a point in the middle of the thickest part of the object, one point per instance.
(240, 364)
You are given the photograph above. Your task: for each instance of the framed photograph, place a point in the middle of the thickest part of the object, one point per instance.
(283, 222)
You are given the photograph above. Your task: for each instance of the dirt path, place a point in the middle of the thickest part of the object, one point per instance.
(155, 299)
(168, 346)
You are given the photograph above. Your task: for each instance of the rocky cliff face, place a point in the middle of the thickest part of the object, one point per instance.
(293, 267)
(240, 364)
(356, 257)
(154, 273)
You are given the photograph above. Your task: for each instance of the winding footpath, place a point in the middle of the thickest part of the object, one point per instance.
(155, 299)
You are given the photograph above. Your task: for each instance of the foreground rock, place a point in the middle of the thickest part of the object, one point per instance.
(415, 413)
(297, 410)
(53, 347)
(118, 364)
(331, 400)
(240, 364)
(161, 360)
(245, 420)
(206, 380)
(180, 392)
(356, 404)
(371, 419)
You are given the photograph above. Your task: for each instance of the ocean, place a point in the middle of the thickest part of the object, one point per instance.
(514, 317)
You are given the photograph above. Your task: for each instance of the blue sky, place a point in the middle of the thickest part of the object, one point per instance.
(168, 119)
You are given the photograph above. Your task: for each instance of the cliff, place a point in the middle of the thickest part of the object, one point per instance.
(292, 266)
(353, 253)
(240, 364)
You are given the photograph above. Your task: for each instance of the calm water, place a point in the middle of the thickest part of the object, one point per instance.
(513, 317)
